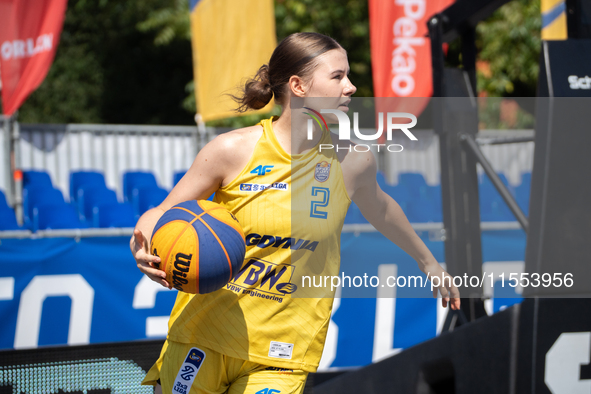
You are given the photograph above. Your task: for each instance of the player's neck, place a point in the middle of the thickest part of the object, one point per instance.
(291, 132)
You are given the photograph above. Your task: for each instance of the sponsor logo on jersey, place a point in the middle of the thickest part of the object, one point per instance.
(268, 391)
(282, 371)
(194, 356)
(188, 371)
(266, 241)
(322, 171)
(263, 279)
(257, 187)
(262, 170)
(287, 288)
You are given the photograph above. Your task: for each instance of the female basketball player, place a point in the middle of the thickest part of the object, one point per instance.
(264, 333)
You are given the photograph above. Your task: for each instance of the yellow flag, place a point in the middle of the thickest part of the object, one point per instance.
(231, 39)
(554, 20)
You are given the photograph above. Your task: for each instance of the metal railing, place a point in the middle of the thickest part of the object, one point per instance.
(163, 150)
(435, 231)
(111, 149)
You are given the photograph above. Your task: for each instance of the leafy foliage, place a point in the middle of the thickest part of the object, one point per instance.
(170, 22)
(345, 21)
(130, 61)
(509, 42)
(108, 71)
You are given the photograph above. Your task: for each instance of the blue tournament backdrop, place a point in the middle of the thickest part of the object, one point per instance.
(89, 291)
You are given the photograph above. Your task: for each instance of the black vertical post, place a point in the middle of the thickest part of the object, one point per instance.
(455, 112)
(469, 57)
(578, 19)
(572, 13)
(435, 26)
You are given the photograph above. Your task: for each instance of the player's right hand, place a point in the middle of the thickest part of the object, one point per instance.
(145, 261)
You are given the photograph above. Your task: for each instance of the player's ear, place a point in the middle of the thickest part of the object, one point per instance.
(297, 86)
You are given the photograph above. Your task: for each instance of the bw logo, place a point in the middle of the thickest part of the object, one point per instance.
(265, 276)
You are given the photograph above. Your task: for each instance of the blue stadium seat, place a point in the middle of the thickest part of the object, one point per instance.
(35, 196)
(433, 193)
(37, 179)
(354, 215)
(176, 177)
(526, 179)
(44, 196)
(3, 202)
(145, 198)
(8, 220)
(381, 180)
(56, 216)
(522, 192)
(135, 179)
(415, 183)
(423, 211)
(426, 205)
(412, 180)
(492, 206)
(79, 179)
(401, 194)
(114, 215)
(419, 201)
(7, 216)
(93, 197)
(35, 182)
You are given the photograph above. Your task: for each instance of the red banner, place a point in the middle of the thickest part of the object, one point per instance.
(401, 49)
(29, 34)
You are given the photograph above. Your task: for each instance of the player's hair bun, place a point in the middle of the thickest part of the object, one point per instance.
(258, 91)
(297, 55)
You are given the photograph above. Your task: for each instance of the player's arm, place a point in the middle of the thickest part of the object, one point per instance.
(388, 218)
(204, 177)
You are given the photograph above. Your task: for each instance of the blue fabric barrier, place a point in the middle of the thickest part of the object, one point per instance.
(58, 291)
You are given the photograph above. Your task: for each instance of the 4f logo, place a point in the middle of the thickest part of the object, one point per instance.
(261, 170)
(267, 391)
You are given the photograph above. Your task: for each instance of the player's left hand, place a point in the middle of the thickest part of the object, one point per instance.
(449, 293)
(145, 261)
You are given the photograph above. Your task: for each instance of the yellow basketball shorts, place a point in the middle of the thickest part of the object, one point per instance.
(188, 369)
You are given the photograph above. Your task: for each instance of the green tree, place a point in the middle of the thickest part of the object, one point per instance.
(346, 21)
(108, 71)
(509, 45)
(130, 62)
(512, 29)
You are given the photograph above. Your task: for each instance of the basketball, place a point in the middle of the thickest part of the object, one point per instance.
(200, 244)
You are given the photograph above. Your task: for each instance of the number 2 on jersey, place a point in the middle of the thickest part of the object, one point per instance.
(324, 194)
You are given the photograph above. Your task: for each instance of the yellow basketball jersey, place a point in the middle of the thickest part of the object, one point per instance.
(292, 209)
